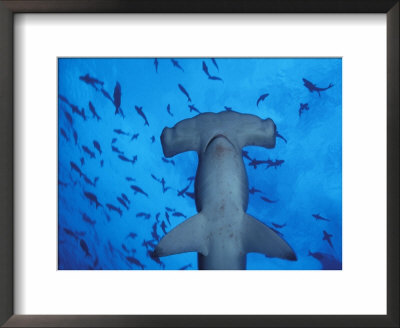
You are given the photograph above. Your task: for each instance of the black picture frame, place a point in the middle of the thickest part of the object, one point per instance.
(7, 10)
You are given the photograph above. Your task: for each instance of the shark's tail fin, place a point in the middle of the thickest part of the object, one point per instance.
(189, 236)
(258, 238)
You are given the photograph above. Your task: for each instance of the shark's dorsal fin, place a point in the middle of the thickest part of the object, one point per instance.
(189, 236)
(258, 238)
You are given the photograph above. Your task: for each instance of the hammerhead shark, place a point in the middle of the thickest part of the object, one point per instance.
(221, 233)
(312, 87)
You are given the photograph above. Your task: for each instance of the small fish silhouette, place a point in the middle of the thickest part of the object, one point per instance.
(262, 97)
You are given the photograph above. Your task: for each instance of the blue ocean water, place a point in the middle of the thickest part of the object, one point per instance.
(108, 155)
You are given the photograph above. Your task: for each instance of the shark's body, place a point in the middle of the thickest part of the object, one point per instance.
(222, 233)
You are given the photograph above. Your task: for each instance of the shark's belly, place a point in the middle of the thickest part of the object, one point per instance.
(222, 196)
(221, 185)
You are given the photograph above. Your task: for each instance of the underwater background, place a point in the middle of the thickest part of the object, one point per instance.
(118, 194)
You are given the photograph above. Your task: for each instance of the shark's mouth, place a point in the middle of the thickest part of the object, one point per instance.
(215, 137)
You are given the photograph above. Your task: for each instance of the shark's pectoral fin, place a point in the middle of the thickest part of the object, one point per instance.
(258, 238)
(189, 236)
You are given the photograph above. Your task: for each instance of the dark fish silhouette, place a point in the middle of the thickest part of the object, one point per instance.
(82, 161)
(88, 220)
(262, 97)
(157, 216)
(102, 163)
(210, 77)
(179, 214)
(327, 261)
(153, 139)
(163, 227)
(279, 136)
(97, 146)
(75, 168)
(135, 261)
(84, 247)
(135, 136)
(133, 160)
(192, 108)
(169, 110)
(140, 112)
(169, 209)
(185, 267)
(64, 99)
(132, 235)
(117, 97)
(278, 162)
(228, 109)
(107, 95)
(162, 181)
(96, 262)
(327, 237)
(265, 199)
(111, 207)
(68, 117)
(279, 226)
(130, 179)
(110, 247)
(143, 214)
(156, 64)
(182, 192)
(215, 63)
(184, 92)
(148, 243)
(114, 140)
(81, 113)
(119, 131)
(124, 247)
(64, 134)
(89, 152)
(75, 137)
(92, 198)
(167, 217)
(205, 69)
(93, 110)
(62, 184)
(312, 87)
(255, 162)
(168, 160)
(71, 233)
(154, 233)
(116, 150)
(319, 217)
(91, 81)
(190, 194)
(302, 108)
(137, 189)
(253, 190)
(125, 198)
(176, 64)
(122, 202)
(216, 78)
(90, 182)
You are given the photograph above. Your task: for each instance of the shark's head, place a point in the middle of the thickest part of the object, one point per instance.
(238, 129)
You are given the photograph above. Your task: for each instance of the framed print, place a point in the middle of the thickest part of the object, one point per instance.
(110, 219)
